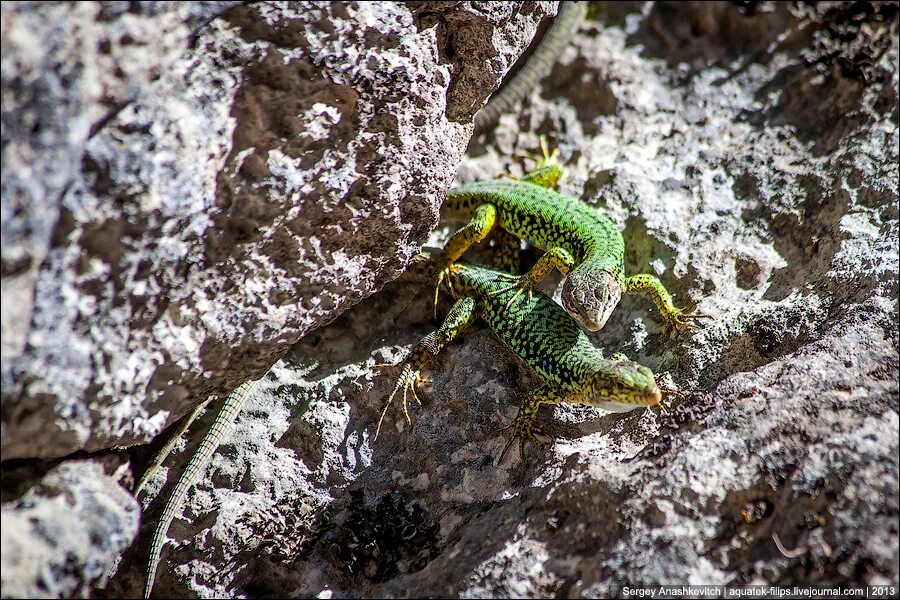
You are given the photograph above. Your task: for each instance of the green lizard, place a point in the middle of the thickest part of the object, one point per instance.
(583, 244)
(568, 17)
(547, 339)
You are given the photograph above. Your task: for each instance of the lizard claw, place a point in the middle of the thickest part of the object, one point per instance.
(444, 277)
(442, 274)
(684, 318)
(523, 429)
(408, 380)
(523, 282)
(421, 258)
(548, 158)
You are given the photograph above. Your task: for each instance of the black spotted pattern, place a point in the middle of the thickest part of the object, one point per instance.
(545, 218)
(538, 330)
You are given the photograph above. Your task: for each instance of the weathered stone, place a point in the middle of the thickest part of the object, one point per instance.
(63, 536)
(189, 188)
(751, 160)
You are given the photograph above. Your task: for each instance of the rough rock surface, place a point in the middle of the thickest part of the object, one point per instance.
(189, 188)
(750, 154)
(46, 556)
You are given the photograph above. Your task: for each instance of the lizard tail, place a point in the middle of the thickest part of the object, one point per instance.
(233, 404)
(164, 452)
(568, 17)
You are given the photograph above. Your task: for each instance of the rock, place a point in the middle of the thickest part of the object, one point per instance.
(751, 159)
(64, 535)
(190, 188)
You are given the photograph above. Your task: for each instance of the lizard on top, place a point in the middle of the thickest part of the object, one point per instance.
(583, 244)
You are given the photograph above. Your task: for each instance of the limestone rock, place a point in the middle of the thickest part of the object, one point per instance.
(190, 188)
(63, 535)
(751, 158)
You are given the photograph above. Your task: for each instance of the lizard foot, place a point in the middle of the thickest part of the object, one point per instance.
(523, 429)
(443, 276)
(408, 380)
(522, 282)
(684, 318)
(547, 157)
(547, 171)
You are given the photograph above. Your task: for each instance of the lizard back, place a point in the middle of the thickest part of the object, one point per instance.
(538, 330)
(543, 217)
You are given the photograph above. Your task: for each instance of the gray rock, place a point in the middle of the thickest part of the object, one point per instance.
(63, 535)
(751, 160)
(190, 188)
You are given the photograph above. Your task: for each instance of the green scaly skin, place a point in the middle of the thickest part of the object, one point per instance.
(583, 244)
(545, 337)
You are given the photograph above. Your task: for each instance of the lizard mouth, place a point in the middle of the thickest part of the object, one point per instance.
(590, 323)
(647, 397)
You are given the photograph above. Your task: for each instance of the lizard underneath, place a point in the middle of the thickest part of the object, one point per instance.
(547, 340)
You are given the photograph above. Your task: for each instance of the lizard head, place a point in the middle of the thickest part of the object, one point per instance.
(623, 385)
(591, 297)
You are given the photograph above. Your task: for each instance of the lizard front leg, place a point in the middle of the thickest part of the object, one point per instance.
(676, 318)
(523, 427)
(461, 316)
(547, 170)
(553, 257)
(482, 222)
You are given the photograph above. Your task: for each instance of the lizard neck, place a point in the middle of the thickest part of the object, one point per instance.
(597, 260)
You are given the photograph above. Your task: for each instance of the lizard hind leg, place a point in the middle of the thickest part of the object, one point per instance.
(408, 380)
(547, 169)
(461, 316)
(477, 229)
